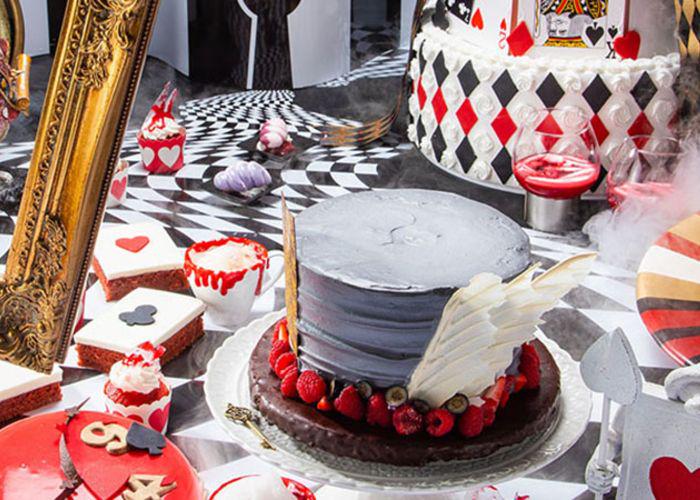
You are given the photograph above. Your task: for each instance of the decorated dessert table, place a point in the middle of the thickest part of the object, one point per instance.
(376, 286)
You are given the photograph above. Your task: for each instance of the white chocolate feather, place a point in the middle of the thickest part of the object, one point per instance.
(483, 323)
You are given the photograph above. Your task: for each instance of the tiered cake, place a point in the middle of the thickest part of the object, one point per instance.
(480, 74)
(411, 347)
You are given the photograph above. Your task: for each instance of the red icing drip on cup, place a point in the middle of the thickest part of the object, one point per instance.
(223, 281)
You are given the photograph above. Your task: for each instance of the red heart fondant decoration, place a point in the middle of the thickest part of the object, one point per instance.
(118, 187)
(670, 479)
(136, 418)
(627, 45)
(159, 418)
(478, 20)
(135, 244)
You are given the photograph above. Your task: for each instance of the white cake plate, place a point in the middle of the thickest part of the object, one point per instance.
(227, 382)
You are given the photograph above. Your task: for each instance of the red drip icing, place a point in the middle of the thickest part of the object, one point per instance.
(222, 280)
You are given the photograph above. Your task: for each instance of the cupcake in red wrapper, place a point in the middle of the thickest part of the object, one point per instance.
(136, 388)
(161, 139)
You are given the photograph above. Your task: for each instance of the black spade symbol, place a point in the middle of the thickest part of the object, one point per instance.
(612, 31)
(142, 315)
(594, 33)
(144, 438)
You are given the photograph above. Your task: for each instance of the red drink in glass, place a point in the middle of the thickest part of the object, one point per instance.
(556, 176)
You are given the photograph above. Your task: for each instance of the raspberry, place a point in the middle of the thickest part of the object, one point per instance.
(377, 411)
(439, 422)
(407, 420)
(472, 422)
(278, 348)
(281, 332)
(285, 360)
(311, 387)
(291, 368)
(496, 390)
(520, 381)
(288, 388)
(350, 404)
(324, 404)
(489, 409)
(530, 366)
(507, 390)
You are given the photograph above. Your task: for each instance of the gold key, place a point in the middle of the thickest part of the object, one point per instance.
(244, 416)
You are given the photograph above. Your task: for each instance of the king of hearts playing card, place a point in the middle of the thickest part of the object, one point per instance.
(556, 26)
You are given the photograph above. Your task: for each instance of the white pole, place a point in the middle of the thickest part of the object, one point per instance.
(603, 442)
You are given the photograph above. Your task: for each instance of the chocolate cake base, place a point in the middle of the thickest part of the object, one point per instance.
(528, 415)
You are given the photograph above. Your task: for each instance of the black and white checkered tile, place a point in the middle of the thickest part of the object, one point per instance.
(391, 64)
(217, 127)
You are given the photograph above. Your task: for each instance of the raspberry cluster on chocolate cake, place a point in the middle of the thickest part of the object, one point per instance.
(416, 320)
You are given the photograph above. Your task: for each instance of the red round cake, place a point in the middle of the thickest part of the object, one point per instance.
(32, 464)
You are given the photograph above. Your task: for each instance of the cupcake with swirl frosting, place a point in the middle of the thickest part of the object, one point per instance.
(136, 388)
(243, 178)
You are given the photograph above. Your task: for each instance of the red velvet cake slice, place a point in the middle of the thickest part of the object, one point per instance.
(145, 315)
(23, 390)
(131, 256)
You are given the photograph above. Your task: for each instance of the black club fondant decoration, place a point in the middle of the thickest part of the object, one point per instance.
(140, 437)
(141, 316)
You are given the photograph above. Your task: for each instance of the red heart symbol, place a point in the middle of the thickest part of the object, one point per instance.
(118, 188)
(670, 479)
(478, 20)
(627, 46)
(135, 244)
(159, 418)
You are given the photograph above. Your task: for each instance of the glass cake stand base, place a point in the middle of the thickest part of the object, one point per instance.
(227, 383)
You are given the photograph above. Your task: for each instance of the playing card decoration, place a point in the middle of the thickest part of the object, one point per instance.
(610, 367)
(117, 190)
(483, 23)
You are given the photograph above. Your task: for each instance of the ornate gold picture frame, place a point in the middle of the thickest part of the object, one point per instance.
(93, 83)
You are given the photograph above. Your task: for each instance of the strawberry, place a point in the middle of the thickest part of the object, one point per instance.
(496, 390)
(439, 422)
(278, 348)
(324, 404)
(520, 381)
(285, 360)
(350, 404)
(489, 409)
(472, 422)
(530, 366)
(288, 388)
(378, 411)
(507, 390)
(407, 420)
(311, 387)
(281, 332)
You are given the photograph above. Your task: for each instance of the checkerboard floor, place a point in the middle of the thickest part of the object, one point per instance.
(218, 129)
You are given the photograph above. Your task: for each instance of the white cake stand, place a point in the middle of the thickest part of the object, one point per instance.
(227, 382)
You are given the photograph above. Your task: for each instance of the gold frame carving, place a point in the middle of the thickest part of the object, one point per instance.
(93, 83)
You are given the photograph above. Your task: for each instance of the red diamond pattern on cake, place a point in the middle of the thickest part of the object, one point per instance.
(641, 126)
(550, 130)
(422, 97)
(599, 129)
(439, 105)
(504, 126)
(466, 116)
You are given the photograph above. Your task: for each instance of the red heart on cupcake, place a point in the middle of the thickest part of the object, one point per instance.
(118, 187)
(135, 244)
(670, 479)
(159, 418)
(627, 45)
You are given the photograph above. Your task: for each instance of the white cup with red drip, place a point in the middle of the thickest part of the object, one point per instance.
(229, 274)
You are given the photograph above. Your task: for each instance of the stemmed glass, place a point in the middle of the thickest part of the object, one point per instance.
(642, 167)
(556, 160)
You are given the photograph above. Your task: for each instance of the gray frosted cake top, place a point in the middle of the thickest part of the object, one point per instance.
(408, 240)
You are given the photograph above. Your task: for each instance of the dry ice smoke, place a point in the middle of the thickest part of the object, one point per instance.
(624, 235)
